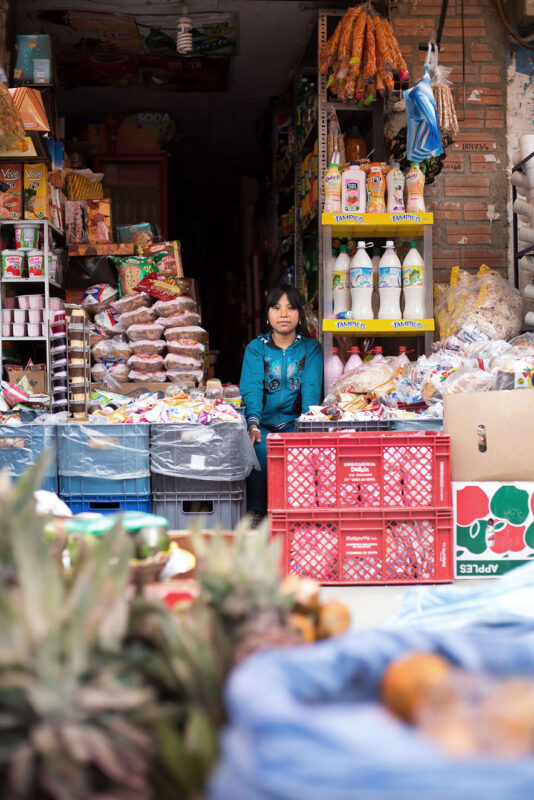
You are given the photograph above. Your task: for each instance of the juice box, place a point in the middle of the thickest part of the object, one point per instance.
(35, 191)
(11, 197)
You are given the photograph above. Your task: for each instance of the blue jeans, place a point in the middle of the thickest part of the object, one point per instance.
(257, 481)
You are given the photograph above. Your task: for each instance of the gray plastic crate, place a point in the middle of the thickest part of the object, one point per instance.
(423, 424)
(195, 488)
(209, 511)
(331, 426)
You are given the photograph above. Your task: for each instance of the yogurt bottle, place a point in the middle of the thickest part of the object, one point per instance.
(353, 191)
(332, 189)
(376, 190)
(341, 282)
(415, 187)
(354, 360)
(395, 189)
(389, 284)
(361, 283)
(413, 284)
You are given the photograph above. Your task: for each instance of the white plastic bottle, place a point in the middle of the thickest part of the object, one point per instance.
(378, 355)
(332, 189)
(395, 189)
(353, 190)
(403, 357)
(415, 189)
(389, 284)
(361, 283)
(341, 282)
(413, 284)
(376, 262)
(354, 359)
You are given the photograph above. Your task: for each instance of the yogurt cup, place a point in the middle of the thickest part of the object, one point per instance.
(55, 303)
(6, 315)
(6, 329)
(19, 315)
(12, 264)
(35, 263)
(34, 328)
(19, 329)
(27, 235)
(35, 315)
(44, 331)
(10, 302)
(31, 301)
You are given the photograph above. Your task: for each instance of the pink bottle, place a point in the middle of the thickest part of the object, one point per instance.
(354, 359)
(403, 356)
(336, 368)
(378, 355)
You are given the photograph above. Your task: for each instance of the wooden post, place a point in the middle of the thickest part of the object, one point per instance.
(7, 8)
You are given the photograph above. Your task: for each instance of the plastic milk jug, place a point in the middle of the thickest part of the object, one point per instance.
(353, 191)
(332, 189)
(395, 189)
(354, 359)
(341, 281)
(376, 190)
(413, 284)
(415, 187)
(389, 284)
(361, 283)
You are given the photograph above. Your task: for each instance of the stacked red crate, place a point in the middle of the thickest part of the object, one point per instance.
(362, 508)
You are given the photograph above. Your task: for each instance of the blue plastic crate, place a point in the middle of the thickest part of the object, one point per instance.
(107, 504)
(91, 457)
(74, 484)
(22, 446)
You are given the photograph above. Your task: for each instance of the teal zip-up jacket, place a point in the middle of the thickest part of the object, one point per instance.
(278, 385)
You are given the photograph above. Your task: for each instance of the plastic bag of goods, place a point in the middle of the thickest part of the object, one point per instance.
(150, 331)
(116, 370)
(423, 139)
(467, 380)
(146, 363)
(186, 319)
(175, 362)
(131, 302)
(485, 301)
(98, 297)
(109, 322)
(186, 347)
(189, 333)
(144, 377)
(179, 305)
(115, 349)
(148, 347)
(375, 377)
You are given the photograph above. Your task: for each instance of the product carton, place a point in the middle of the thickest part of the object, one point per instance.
(494, 527)
(76, 221)
(38, 378)
(36, 191)
(99, 221)
(491, 435)
(11, 195)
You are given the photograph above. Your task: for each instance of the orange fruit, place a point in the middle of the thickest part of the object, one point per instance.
(334, 618)
(408, 680)
(302, 626)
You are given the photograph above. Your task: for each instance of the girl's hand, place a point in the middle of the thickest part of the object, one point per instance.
(255, 435)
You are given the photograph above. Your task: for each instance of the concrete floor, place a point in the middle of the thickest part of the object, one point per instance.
(370, 606)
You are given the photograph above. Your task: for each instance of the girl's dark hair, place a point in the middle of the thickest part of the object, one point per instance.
(293, 295)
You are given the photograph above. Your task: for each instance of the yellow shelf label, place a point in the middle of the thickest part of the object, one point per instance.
(386, 327)
(378, 224)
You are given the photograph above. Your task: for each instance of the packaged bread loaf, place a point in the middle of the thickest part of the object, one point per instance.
(109, 322)
(117, 370)
(186, 319)
(114, 349)
(192, 333)
(168, 308)
(147, 347)
(185, 375)
(98, 297)
(186, 347)
(131, 303)
(174, 362)
(139, 316)
(146, 363)
(149, 331)
(143, 377)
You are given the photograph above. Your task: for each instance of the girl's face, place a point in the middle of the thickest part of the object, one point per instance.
(284, 317)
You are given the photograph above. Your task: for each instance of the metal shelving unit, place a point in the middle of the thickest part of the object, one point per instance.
(45, 281)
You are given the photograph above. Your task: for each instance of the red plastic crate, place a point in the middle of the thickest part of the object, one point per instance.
(366, 547)
(359, 470)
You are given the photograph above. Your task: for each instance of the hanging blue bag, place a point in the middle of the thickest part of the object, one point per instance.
(423, 139)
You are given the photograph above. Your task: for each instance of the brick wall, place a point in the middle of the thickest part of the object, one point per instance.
(469, 197)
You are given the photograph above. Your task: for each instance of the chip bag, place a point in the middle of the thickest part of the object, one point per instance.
(132, 270)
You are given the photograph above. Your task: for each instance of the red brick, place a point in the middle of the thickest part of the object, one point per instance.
(474, 211)
(481, 162)
(486, 96)
(463, 186)
(447, 214)
(474, 263)
(481, 52)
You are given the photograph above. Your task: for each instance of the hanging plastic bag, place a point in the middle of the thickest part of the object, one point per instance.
(423, 136)
(441, 86)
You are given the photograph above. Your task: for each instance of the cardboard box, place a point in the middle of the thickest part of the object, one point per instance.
(36, 191)
(38, 378)
(11, 199)
(139, 235)
(491, 435)
(493, 527)
(99, 221)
